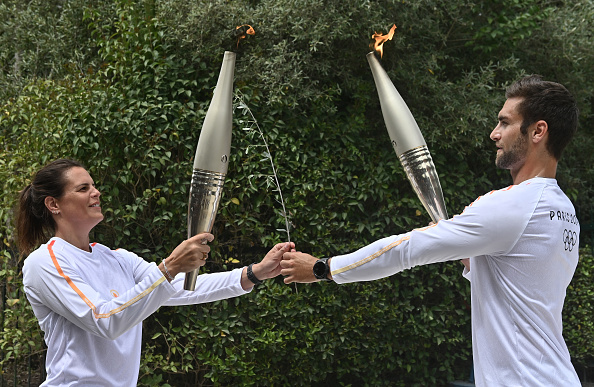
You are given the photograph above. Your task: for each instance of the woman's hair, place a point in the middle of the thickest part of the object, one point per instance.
(34, 222)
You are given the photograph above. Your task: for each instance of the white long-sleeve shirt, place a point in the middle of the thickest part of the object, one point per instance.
(90, 306)
(523, 244)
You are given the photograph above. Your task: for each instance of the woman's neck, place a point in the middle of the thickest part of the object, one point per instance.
(80, 241)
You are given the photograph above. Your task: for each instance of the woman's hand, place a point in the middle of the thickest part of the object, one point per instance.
(188, 255)
(269, 267)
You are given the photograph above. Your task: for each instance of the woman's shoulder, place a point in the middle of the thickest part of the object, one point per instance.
(36, 263)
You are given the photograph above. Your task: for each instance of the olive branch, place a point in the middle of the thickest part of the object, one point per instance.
(250, 125)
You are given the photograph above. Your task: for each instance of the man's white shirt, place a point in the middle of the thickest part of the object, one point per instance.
(523, 247)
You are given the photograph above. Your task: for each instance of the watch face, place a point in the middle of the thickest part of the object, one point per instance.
(319, 270)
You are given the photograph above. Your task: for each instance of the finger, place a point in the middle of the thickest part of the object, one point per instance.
(206, 237)
(279, 247)
(202, 238)
(286, 271)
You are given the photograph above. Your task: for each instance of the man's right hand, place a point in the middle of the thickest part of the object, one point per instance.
(298, 267)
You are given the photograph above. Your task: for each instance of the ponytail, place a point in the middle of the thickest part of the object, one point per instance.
(31, 222)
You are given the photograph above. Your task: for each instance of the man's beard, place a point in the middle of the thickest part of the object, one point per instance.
(517, 153)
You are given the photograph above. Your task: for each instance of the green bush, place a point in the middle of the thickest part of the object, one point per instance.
(578, 313)
(129, 103)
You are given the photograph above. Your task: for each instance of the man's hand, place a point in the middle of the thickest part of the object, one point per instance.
(466, 263)
(298, 267)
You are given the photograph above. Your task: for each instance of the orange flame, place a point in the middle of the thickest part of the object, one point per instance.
(379, 40)
(242, 31)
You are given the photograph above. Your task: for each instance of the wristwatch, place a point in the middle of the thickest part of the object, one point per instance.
(321, 269)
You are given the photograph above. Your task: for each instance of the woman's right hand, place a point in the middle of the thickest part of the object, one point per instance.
(190, 254)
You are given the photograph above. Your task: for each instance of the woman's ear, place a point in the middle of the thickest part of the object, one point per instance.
(52, 205)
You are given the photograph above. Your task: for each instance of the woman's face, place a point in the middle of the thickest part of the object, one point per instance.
(79, 205)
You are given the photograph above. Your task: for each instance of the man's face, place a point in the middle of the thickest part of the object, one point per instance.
(511, 144)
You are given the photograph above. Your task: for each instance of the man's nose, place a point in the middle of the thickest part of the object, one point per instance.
(495, 135)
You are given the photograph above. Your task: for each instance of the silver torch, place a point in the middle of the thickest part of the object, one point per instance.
(211, 159)
(408, 142)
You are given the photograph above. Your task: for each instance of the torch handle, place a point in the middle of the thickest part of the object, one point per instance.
(205, 194)
(421, 173)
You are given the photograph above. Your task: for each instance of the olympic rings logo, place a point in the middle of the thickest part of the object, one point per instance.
(569, 239)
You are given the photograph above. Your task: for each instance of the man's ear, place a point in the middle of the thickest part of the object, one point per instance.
(540, 129)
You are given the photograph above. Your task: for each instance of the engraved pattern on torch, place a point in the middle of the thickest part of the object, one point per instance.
(205, 194)
(419, 168)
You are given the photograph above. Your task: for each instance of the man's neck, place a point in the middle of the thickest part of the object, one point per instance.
(548, 170)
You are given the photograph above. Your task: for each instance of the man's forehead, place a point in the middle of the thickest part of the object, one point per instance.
(510, 108)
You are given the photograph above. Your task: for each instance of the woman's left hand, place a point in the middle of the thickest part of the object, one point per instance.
(269, 267)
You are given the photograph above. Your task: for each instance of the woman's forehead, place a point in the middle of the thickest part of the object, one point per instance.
(76, 176)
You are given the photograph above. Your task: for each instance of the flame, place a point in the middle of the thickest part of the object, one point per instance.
(380, 39)
(242, 31)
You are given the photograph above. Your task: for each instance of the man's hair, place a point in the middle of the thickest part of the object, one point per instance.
(550, 102)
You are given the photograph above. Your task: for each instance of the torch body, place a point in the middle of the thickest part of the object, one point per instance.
(408, 143)
(212, 159)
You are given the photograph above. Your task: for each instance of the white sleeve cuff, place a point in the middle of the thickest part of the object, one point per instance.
(466, 273)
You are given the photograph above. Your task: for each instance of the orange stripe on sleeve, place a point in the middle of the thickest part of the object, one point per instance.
(86, 300)
(371, 257)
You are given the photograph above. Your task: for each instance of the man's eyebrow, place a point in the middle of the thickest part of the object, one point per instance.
(501, 117)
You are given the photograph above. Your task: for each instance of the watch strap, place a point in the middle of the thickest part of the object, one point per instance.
(251, 276)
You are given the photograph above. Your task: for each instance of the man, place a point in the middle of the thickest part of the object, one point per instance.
(522, 240)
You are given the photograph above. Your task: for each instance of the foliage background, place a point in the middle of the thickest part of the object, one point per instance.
(124, 85)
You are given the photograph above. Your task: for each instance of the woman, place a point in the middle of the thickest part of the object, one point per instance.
(90, 300)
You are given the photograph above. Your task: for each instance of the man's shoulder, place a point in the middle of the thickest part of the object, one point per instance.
(515, 191)
(496, 196)
(507, 204)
